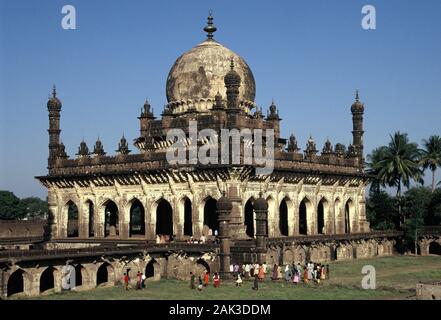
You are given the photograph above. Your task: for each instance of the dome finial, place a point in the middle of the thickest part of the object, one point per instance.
(54, 91)
(210, 28)
(232, 63)
(357, 98)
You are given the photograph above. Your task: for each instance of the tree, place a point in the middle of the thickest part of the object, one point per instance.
(431, 156)
(10, 208)
(397, 164)
(34, 207)
(416, 204)
(374, 158)
(380, 211)
(434, 215)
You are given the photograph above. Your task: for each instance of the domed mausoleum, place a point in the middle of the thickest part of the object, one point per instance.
(135, 210)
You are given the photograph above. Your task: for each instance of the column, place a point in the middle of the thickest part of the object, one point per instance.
(261, 210)
(224, 207)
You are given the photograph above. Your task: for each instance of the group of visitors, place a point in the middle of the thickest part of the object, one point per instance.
(295, 273)
(248, 271)
(203, 239)
(204, 281)
(164, 238)
(140, 281)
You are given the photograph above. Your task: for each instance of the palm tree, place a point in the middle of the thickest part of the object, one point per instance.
(396, 164)
(431, 156)
(376, 156)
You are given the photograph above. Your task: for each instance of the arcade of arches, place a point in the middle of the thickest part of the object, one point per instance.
(180, 216)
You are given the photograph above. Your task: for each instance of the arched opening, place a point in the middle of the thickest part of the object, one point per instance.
(435, 248)
(137, 219)
(211, 222)
(164, 218)
(103, 274)
(72, 219)
(150, 269)
(249, 218)
(79, 270)
(347, 219)
(47, 281)
(303, 223)
(188, 221)
(89, 205)
(321, 217)
(203, 264)
(16, 283)
(283, 218)
(337, 216)
(111, 223)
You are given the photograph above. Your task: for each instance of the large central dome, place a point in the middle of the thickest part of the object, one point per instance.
(198, 75)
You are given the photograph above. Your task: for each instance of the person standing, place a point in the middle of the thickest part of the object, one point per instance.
(310, 270)
(305, 275)
(216, 280)
(287, 273)
(239, 280)
(126, 281)
(327, 272)
(256, 282)
(138, 281)
(200, 284)
(322, 272)
(275, 276)
(261, 273)
(206, 278)
(192, 280)
(143, 278)
(296, 278)
(247, 271)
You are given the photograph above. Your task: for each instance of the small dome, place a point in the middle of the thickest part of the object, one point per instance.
(224, 203)
(232, 78)
(357, 106)
(54, 102)
(260, 204)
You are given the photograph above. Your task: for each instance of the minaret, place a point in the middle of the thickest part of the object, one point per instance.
(357, 110)
(232, 83)
(54, 108)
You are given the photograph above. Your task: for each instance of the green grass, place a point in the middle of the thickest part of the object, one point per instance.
(396, 279)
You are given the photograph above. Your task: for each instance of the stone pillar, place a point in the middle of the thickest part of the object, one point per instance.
(312, 219)
(83, 220)
(124, 219)
(224, 207)
(53, 219)
(237, 226)
(178, 220)
(261, 210)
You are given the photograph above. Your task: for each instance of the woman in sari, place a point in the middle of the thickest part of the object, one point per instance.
(275, 276)
(323, 273)
(287, 273)
(305, 275)
(261, 273)
(296, 277)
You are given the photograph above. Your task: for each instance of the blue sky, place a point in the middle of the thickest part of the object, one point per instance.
(309, 56)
